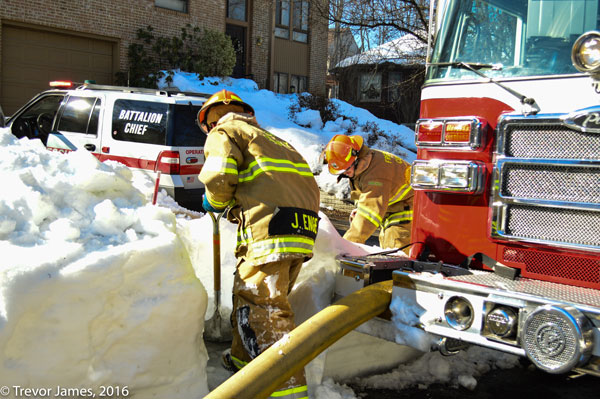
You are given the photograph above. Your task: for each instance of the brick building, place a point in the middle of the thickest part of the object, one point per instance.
(280, 45)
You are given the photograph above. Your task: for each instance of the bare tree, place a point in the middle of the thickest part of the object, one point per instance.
(392, 32)
(376, 22)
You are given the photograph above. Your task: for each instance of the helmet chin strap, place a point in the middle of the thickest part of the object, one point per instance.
(343, 175)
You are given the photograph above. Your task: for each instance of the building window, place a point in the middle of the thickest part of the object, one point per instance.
(369, 87)
(291, 19)
(394, 81)
(236, 9)
(177, 5)
(282, 19)
(298, 84)
(280, 82)
(300, 18)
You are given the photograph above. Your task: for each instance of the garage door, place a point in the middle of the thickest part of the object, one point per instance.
(31, 58)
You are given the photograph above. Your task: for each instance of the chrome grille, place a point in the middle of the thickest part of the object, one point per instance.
(569, 226)
(552, 141)
(547, 183)
(551, 183)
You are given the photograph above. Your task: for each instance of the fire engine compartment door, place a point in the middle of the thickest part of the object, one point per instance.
(77, 125)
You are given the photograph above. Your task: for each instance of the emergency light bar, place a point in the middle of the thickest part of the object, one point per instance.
(63, 84)
(67, 84)
(450, 133)
(448, 176)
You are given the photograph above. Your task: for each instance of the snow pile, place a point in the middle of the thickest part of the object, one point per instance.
(406, 315)
(96, 288)
(308, 134)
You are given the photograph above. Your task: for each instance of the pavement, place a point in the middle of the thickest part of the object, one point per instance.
(520, 382)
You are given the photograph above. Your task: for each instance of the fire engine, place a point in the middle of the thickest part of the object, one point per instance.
(506, 226)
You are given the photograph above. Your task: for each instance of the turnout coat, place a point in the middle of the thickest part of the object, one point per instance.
(382, 193)
(270, 188)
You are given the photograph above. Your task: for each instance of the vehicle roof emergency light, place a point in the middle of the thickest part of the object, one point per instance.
(61, 84)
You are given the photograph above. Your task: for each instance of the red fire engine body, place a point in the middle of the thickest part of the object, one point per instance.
(507, 180)
(507, 183)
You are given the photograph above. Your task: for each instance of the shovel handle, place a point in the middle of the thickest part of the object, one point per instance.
(217, 261)
(216, 252)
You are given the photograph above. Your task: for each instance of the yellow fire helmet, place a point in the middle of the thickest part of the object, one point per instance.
(341, 152)
(223, 97)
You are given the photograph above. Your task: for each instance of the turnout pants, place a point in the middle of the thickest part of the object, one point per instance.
(262, 315)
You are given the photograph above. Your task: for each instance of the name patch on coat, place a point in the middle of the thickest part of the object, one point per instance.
(288, 220)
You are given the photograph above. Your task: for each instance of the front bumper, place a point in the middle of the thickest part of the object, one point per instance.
(556, 326)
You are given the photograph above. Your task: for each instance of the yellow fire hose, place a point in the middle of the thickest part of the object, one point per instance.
(267, 372)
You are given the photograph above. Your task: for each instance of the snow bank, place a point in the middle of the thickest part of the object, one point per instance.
(96, 289)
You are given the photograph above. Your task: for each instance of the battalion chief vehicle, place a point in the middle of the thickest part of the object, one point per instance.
(150, 131)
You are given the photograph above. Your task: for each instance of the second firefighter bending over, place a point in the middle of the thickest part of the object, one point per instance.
(274, 199)
(380, 184)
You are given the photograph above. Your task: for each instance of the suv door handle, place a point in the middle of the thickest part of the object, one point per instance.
(89, 147)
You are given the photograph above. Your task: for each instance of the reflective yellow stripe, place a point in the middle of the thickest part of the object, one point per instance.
(300, 392)
(220, 165)
(217, 204)
(401, 194)
(238, 362)
(262, 165)
(284, 244)
(369, 215)
(244, 236)
(348, 156)
(397, 218)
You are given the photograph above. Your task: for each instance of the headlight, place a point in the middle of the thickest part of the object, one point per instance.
(448, 176)
(455, 175)
(586, 52)
(425, 175)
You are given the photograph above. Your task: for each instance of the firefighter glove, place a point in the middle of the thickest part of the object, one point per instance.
(208, 207)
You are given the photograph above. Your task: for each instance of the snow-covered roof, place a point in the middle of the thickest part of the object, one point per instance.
(404, 50)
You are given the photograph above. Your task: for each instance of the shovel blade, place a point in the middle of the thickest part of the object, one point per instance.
(216, 329)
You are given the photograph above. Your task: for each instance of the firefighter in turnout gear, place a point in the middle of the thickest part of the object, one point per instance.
(272, 195)
(380, 184)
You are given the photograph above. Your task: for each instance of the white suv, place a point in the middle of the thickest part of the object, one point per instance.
(147, 130)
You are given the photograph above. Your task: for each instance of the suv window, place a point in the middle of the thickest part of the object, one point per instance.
(140, 121)
(185, 131)
(80, 115)
(36, 121)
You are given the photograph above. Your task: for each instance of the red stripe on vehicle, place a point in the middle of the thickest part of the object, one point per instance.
(147, 164)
